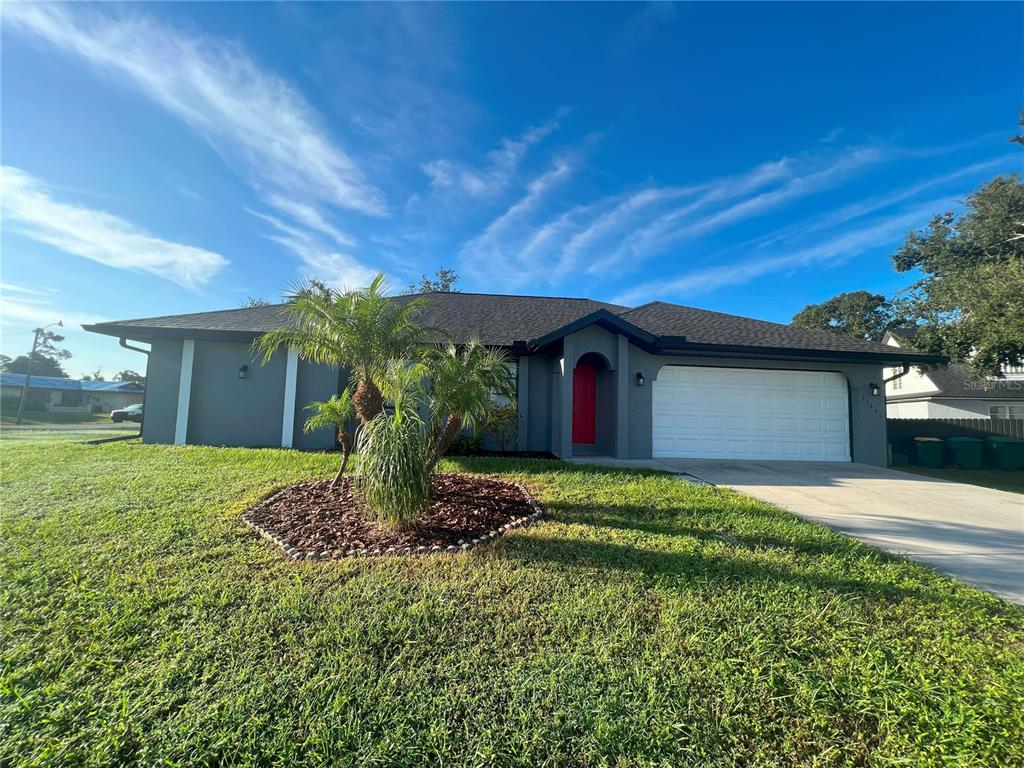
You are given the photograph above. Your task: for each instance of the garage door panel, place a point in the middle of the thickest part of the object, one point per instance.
(706, 412)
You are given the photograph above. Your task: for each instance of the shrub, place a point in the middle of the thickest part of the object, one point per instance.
(467, 444)
(503, 423)
(394, 472)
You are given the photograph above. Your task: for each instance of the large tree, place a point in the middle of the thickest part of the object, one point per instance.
(861, 314)
(969, 304)
(130, 376)
(444, 281)
(46, 360)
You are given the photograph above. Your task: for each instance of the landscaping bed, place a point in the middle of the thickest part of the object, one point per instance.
(316, 521)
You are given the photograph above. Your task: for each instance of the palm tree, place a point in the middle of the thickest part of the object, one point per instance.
(463, 385)
(362, 330)
(334, 413)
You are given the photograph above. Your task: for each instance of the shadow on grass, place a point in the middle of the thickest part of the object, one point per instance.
(639, 518)
(696, 568)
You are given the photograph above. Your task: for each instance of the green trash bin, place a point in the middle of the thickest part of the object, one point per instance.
(929, 451)
(1005, 453)
(966, 451)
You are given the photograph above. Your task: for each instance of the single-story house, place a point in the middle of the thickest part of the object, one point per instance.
(51, 393)
(658, 380)
(953, 391)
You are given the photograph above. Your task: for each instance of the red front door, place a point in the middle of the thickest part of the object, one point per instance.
(584, 404)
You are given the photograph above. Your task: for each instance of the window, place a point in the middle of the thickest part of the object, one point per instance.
(1006, 411)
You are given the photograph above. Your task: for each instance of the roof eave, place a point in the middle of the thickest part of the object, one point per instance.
(792, 353)
(146, 334)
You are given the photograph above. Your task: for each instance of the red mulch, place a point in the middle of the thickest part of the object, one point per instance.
(314, 516)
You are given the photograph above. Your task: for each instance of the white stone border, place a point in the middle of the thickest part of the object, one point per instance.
(295, 553)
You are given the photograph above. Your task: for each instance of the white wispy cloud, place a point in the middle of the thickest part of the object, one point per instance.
(491, 252)
(501, 167)
(789, 179)
(30, 209)
(861, 208)
(217, 89)
(37, 312)
(829, 252)
(312, 218)
(320, 259)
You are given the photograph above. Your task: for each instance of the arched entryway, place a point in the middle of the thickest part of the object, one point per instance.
(593, 406)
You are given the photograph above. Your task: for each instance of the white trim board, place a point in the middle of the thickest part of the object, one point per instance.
(188, 351)
(291, 372)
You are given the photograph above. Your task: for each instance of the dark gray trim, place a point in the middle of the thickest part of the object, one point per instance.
(604, 319)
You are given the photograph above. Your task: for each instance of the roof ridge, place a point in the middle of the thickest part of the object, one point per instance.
(512, 296)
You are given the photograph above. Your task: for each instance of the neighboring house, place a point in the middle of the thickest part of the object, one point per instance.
(659, 380)
(51, 393)
(951, 392)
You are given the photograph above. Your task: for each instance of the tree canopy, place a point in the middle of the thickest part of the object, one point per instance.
(861, 314)
(969, 304)
(444, 281)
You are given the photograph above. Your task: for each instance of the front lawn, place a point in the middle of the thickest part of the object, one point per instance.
(987, 478)
(643, 622)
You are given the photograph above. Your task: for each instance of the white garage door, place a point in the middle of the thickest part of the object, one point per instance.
(744, 413)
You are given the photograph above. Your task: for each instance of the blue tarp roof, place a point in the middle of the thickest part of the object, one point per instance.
(53, 382)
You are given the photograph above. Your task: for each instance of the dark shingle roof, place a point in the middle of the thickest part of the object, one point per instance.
(705, 327)
(503, 320)
(957, 380)
(497, 320)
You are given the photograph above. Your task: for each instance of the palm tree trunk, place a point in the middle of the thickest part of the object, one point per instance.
(346, 451)
(444, 442)
(367, 400)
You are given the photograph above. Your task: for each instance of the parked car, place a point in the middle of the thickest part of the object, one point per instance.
(130, 413)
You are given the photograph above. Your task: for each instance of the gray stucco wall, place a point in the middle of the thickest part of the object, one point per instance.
(161, 403)
(227, 410)
(541, 378)
(628, 406)
(313, 383)
(867, 412)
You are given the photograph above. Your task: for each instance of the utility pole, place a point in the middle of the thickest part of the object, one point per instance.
(28, 367)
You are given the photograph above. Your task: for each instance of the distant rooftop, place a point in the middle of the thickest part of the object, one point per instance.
(54, 382)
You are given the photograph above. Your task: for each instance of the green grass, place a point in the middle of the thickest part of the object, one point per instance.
(645, 622)
(987, 478)
(45, 417)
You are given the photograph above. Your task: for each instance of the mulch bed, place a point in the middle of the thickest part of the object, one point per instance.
(315, 521)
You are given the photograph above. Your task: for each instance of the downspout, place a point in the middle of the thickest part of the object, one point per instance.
(145, 392)
(900, 375)
(124, 343)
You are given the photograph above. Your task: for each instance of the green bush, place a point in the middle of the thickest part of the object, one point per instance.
(467, 444)
(503, 423)
(394, 466)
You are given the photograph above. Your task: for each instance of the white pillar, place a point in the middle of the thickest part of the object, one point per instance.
(291, 374)
(188, 351)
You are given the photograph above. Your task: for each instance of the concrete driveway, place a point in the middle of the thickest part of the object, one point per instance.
(975, 534)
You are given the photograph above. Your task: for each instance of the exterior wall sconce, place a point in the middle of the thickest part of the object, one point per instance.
(639, 379)
(243, 371)
(874, 389)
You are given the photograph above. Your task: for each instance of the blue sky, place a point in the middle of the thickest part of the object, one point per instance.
(168, 158)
